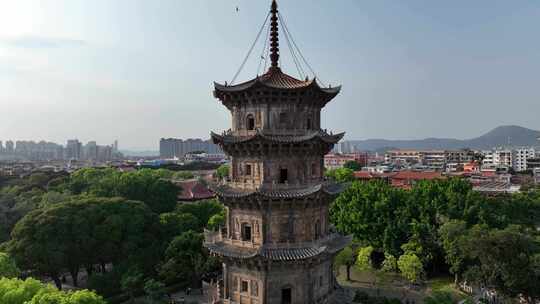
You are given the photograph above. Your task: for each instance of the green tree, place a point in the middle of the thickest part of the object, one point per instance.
(185, 259)
(38, 179)
(31, 291)
(363, 259)
(144, 185)
(182, 175)
(175, 223)
(202, 210)
(155, 291)
(390, 263)
(340, 175)
(216, 221)
(346, 258)
(411, 267)
(223, 172)
(508, 260)
(131, 282)
(374, 212)
(84, 233)
(353, 165)
(8, 268)
(451, 235)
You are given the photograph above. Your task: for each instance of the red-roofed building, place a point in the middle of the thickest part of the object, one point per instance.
(194, 190)
(472, 167)
(406, 179)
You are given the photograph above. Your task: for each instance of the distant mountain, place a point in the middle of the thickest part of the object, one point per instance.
(500, 136)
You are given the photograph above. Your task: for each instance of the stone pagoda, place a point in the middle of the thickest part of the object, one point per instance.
(278, 245)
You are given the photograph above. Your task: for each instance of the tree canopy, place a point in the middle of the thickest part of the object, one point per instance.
(8, 268)
(353, 165)
(340, 175)
(31, 291)
(82, 233)
(146, 185)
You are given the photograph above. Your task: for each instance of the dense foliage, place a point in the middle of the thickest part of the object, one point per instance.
(340, 175)
(223, 172)
(83, 233)
(121, 229)
(30, 291)
(353, 165)
(148, 186)
(8, 267)
(444, 225)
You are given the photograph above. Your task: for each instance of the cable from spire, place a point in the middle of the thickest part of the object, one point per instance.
(250, 50)
(286, 29)
(296, 61)
(264, 54)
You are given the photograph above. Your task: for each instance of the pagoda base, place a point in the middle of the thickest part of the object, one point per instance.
(295, 282)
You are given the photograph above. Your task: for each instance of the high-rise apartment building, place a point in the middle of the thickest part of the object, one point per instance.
(10, 147)
(521, 156)
(73, 149)
(173, 147)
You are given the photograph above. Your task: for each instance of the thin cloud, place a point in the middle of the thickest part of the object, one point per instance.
(41, 42)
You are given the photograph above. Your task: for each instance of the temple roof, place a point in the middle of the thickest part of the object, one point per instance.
(291, 254)
(331, 189)
(321, 135)
(276, 79)
(331, 245)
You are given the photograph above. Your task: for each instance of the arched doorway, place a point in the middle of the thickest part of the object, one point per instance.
(250, 122)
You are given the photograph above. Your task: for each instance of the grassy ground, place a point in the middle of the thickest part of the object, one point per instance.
(393, 286)
(445, 284)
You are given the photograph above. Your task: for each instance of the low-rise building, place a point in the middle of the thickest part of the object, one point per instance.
(194, 190)
(536, 173)
(459, 156)
(403, 156)
(407, 179)
(334, 161)
(533, 163)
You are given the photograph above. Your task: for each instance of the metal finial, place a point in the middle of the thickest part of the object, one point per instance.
(274, 36)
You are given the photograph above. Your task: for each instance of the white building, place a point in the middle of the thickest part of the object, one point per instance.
(520, 158)
(504, 158)
(537, 175)
(488, 158)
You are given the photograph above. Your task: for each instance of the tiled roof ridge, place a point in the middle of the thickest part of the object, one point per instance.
(275, 79)
(320, 134)
(331, 189)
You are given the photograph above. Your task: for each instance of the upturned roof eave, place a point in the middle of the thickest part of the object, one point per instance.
(256, 82)
(327, 138)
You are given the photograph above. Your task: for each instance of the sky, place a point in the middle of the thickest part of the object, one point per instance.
(137, 70)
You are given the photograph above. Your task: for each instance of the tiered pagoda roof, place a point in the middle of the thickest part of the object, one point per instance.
(275, 79)
(326, 188)
(275, 138)
(294, 252)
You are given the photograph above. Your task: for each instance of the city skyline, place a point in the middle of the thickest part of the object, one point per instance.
(80, 72)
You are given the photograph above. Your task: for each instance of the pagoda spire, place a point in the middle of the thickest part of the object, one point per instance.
(274, 37)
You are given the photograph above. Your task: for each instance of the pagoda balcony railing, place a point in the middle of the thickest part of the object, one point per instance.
(284, 132)
(216, 237)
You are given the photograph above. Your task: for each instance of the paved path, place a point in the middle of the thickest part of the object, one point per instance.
(194, 297)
